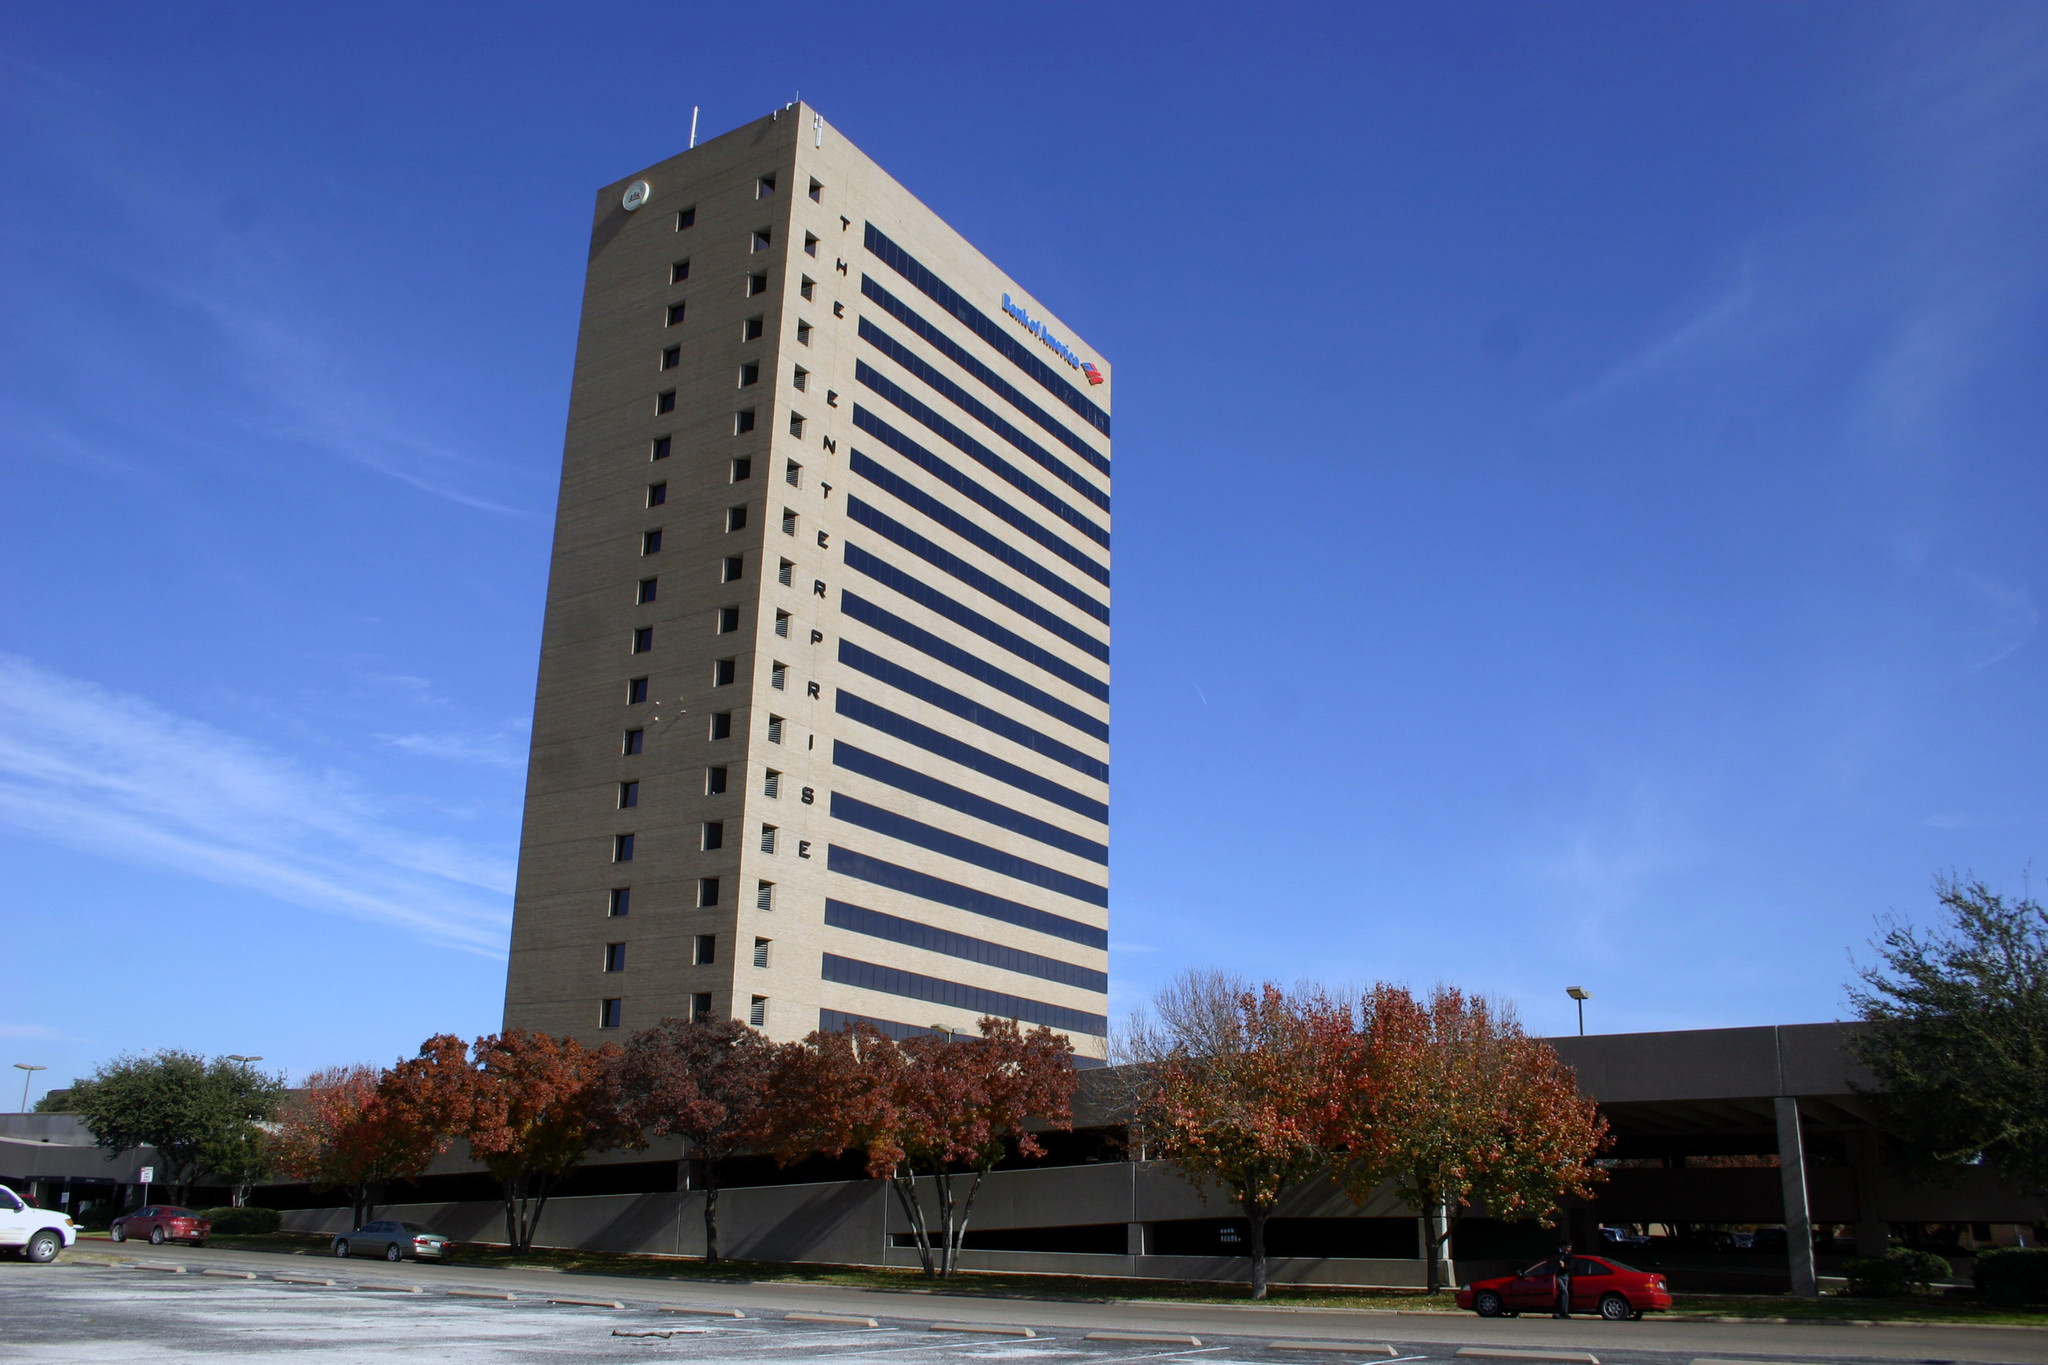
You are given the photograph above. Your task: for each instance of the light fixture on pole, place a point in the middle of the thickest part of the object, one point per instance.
(1582, 995)
(28, 1074)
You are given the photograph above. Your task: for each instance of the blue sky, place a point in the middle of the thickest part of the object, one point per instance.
(1579, 472)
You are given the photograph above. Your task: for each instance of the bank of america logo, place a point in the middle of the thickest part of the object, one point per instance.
(1094, 375)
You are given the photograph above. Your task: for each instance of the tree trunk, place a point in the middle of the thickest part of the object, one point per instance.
(906, 1194)
(512, 1187)
(966, 1212)
(1432, 1244)
(711, 1213)
(1256, 1214)
(949, 1250)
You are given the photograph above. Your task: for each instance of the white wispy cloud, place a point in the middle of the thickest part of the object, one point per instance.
(505, 749)
(115, 775)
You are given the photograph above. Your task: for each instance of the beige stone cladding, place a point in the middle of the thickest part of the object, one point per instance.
(908, 663)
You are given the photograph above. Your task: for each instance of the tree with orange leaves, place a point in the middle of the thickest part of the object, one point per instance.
(1455, 1106)
(342, 1131)
(531, 1107)
(930, 1106)
(1242, 1088)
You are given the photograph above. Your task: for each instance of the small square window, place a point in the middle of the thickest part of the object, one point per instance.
(796, 424)
(783, 571)
(671, 356)
(635, 741)
(760, 954)
(721, 725)
(643, 640)
(609, 1013)
(807, 287)
(771, 784)
(750, 373)
(768, 833)
(714, 835)
(621, 902)
(657, 494)
(675, 314)
(629, 795)
(801, 380)
(636, 691)
(705, 950)
(775, 729)
(680, 271)
(777, 673)
(743, 422)
(764, 895)
(664, 402)
(793, 474)
(751, 329)
(686, 218)
(615, 957)
(782, 624)
(736, 518)
(700, 1007)
(722, 671)
(742, 469)
(647, 587)
(764, 187)
(728, 620)
(707, 891)
(714, 781)
(650, 542)
(757, 284)
(735, 568)
(810, 244)
(763, 239)
(817, 191)
(757, 1012)
(661, 448)
(622, 848)
(803, 332)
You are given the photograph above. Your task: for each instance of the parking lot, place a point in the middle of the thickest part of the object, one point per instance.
(307, 1310)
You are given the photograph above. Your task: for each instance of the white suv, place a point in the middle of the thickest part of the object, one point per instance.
(39, 1233)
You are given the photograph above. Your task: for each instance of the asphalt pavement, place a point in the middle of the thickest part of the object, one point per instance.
(186, 1301)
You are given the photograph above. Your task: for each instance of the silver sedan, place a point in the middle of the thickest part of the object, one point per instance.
(393, 1241)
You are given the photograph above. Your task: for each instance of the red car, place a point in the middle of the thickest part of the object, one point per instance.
(1615, 1291)
(162, 1223)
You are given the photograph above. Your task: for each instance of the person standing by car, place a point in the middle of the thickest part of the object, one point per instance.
(1561, 1282)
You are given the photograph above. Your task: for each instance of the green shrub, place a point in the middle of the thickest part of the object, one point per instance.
(244, 1221)
(2011, 1276)
(1895, 1274)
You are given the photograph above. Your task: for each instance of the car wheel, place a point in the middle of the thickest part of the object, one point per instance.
(341, 1247)
(156, 1236)
(1615, 1308)
(119, 1233)
(43, 1247)
(1488, 1304)
(393, 1252)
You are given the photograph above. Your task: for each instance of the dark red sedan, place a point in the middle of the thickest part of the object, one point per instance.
(162, 1223)
(1615, 1291)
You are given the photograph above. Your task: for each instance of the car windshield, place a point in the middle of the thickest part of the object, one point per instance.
(174, 1213)
(1626, 1269)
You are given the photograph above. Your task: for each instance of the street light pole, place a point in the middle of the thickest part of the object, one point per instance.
(1582, 995)
(28, 1074)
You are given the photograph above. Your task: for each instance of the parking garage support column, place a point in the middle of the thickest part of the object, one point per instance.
(1792, 1180)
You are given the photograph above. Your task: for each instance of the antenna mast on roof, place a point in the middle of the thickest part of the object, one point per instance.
(693, 125)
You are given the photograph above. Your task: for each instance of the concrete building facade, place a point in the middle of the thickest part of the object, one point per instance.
(821, 726)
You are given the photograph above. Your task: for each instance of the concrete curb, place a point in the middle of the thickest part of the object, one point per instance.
(230, 1274)
(831, 1319)
(1356, 1348)
(158, 1266)
(991, 1328)
(303, 1279)
(1158, 1338)
(1514, 1353)
(482, 1294)
(702, 1312)
(392, 1288)
(588, 1303)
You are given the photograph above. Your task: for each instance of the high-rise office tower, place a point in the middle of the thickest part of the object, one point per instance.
(822, 730)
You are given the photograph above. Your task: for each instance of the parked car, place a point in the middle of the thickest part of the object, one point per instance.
(162, 1223)
(1600, 1285)
(1622, 1237)
(394, 1241)
(38, 1234)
